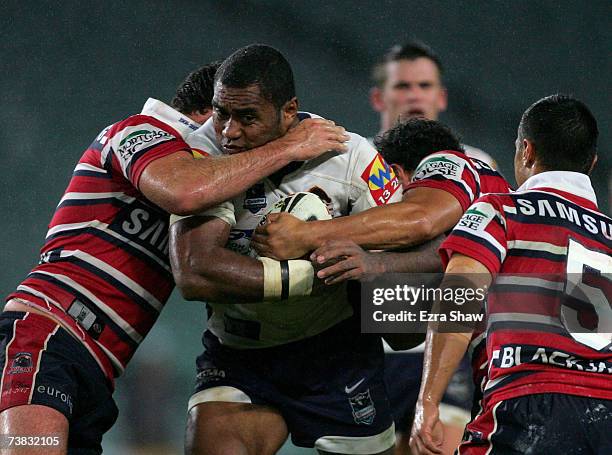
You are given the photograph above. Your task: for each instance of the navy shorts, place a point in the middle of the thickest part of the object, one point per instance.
(43, 364)
(327, 385)
(550, 423)
(403, 380)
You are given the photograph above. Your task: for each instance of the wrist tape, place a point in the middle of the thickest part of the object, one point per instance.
(284, 279)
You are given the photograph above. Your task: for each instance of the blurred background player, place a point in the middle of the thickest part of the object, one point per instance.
(549, 317)
(75, 321)
(277, 359)
(409, 83)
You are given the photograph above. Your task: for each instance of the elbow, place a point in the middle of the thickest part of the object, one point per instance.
(193, 286)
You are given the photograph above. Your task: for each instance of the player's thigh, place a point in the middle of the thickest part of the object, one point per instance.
(43, 424)
(224, 428)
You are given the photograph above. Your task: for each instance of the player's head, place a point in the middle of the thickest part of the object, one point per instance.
(406, 144)
(254, 100)
(194, 96)
(408, 81)
(556, 133)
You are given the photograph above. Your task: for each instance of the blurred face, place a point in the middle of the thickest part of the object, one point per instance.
(413, 89)
(243, 119)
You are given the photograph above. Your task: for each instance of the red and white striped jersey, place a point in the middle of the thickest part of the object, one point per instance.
(456, 173)
(105, 258)
(549, 319)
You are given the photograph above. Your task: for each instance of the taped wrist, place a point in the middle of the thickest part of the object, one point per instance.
(284, 279)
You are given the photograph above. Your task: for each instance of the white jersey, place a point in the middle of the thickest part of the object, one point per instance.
(349, 183)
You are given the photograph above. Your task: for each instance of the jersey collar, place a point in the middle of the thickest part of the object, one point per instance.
(161, 111)
(574, 183)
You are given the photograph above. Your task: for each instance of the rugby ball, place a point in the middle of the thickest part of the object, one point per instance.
(302, 205)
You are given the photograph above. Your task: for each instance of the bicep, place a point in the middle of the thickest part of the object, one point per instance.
(165, 181)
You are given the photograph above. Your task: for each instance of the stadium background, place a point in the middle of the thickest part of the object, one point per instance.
(70, 68)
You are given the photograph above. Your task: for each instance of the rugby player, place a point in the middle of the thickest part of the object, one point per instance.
(404, 147)
(408, 83)
(75, 321)
(277, 364)
(548, 387)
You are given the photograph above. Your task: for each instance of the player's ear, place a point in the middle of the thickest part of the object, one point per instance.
(289, 111)
(528, 154)
(443, 100)
(376, 99)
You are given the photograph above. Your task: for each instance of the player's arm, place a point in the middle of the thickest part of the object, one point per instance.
(345, 260)
(443, 353)
(422, 215)
(204, 269)
(183, 185)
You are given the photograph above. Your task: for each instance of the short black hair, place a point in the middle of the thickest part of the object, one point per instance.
(408, 51)
(408, 142)
(196, 91)
(262, 65)
(563, 131)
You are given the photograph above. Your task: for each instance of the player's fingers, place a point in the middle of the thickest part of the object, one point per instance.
(422, 448)
(332, 249)
(428, 442)
(350, 275)
(338, 267)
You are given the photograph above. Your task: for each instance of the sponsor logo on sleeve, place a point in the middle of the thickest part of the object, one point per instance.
(475, 219)
(439, 165)
(382, 181)
(137, 140)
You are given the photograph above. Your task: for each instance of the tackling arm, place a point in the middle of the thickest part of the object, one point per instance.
(422, 215)
(180, 184)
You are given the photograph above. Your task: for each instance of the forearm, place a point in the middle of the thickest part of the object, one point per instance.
(423, 258)
(386, 227)
(221, 276)
(443, 353)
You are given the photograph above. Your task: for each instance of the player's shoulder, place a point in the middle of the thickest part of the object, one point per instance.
(203, 141)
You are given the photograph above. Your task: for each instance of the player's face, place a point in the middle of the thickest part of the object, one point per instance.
(413, 89)
(243, 119)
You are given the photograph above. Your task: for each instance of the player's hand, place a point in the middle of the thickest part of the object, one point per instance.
(345, 260)
(282, 237)
(313, 137)
(427, 433)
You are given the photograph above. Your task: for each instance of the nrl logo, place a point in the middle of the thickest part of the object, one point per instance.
(363, 408)
(437, 165)
(129, 145)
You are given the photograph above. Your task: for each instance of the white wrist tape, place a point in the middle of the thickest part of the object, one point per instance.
(284, 279)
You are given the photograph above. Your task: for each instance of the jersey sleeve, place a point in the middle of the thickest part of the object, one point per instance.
(451, 172)
(373, 181)
(138, 141)
(224, 211)
(480, 234)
